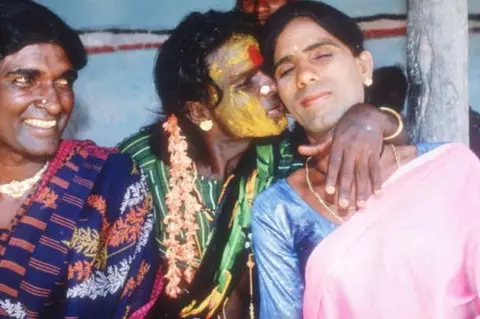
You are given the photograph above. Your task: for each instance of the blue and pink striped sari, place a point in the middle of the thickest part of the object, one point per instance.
(82, 245)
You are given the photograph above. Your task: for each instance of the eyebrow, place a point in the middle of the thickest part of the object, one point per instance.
(246, 74)
(311, 47)
(70, 73)
(26, 72)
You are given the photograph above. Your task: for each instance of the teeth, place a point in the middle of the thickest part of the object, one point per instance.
(41, 123)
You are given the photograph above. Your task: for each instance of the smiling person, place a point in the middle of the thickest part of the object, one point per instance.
(75, 219)
(221, 142)
(413, 252)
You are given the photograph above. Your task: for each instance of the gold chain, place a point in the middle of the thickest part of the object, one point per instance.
(395, 154)
(17, 189)
(330, 210)
(328, 207)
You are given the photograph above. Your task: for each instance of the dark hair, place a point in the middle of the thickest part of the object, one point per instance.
(182, 70)
(238, 4)
(389, 87)
(332, 20)
(24, 22)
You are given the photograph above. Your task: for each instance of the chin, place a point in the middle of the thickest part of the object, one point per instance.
(42, 148)
(263, 131)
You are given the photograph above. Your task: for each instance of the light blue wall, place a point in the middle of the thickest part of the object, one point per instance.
(115, 94)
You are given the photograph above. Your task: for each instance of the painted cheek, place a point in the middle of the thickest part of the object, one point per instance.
(246, 117)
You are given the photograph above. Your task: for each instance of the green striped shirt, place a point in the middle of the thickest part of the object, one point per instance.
(138, 146)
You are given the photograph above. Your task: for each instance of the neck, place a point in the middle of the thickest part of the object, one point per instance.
(17, 167)
(319, 137)
(224, 154)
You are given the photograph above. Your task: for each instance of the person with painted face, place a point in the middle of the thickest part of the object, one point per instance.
(413, 251)
(75, 219)
(214, 149)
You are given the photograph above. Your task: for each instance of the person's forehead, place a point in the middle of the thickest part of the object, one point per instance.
(234, 49)
(42, 56)
(300, 33)
(238, 53)
(268, 2)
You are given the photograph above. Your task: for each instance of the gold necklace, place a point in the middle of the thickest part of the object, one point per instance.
(17, 189)
(328, 207)
(395, 154)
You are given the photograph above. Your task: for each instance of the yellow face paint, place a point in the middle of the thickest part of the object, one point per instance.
(245, 116)
(235, 68)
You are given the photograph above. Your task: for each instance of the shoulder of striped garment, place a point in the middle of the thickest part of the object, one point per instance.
(138, 146)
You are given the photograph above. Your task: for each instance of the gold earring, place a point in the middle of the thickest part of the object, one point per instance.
(368, 82)
(206, 125)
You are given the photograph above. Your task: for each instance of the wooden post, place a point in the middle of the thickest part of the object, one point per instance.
(437, 66)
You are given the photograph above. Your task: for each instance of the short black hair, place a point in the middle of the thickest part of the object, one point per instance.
(389, 87)
(338, 24)
(332, 20)
(182, 70)
(24, 22)
(238, 4)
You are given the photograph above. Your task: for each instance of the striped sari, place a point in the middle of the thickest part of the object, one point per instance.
(81, 245)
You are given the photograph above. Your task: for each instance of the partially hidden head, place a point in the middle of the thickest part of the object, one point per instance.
(262, 9)
(209, 69)
(389, 87)
(39, 59)
(317, 57)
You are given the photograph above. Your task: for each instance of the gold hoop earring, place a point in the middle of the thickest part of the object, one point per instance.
(206, 125)
(368, 82)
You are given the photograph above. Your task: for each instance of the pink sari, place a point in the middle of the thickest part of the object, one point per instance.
(414, 254)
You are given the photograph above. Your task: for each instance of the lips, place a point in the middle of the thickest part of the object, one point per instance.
(315, 98)
(42, 124)
(276, 111)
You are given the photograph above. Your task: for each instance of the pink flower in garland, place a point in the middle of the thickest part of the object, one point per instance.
(182, 205)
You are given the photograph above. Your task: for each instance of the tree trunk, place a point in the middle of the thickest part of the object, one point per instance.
(437, 65)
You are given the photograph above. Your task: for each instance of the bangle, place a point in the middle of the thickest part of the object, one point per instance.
(400, 123)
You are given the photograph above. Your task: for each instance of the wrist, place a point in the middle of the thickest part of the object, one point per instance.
(393, 123)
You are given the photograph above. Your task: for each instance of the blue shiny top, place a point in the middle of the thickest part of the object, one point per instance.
(285, 231)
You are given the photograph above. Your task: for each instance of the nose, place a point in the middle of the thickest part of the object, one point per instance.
(306, 74)
(50, 100)
(262, 7)
(267, 86)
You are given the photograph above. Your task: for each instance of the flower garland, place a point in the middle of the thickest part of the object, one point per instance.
(182, 205)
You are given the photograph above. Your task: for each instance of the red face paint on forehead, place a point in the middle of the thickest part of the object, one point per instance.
(255, 56)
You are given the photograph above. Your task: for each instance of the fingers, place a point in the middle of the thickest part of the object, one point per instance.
(334, 163)
(362, 180)
(376, 173)
(346, 179)
(314, 149)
